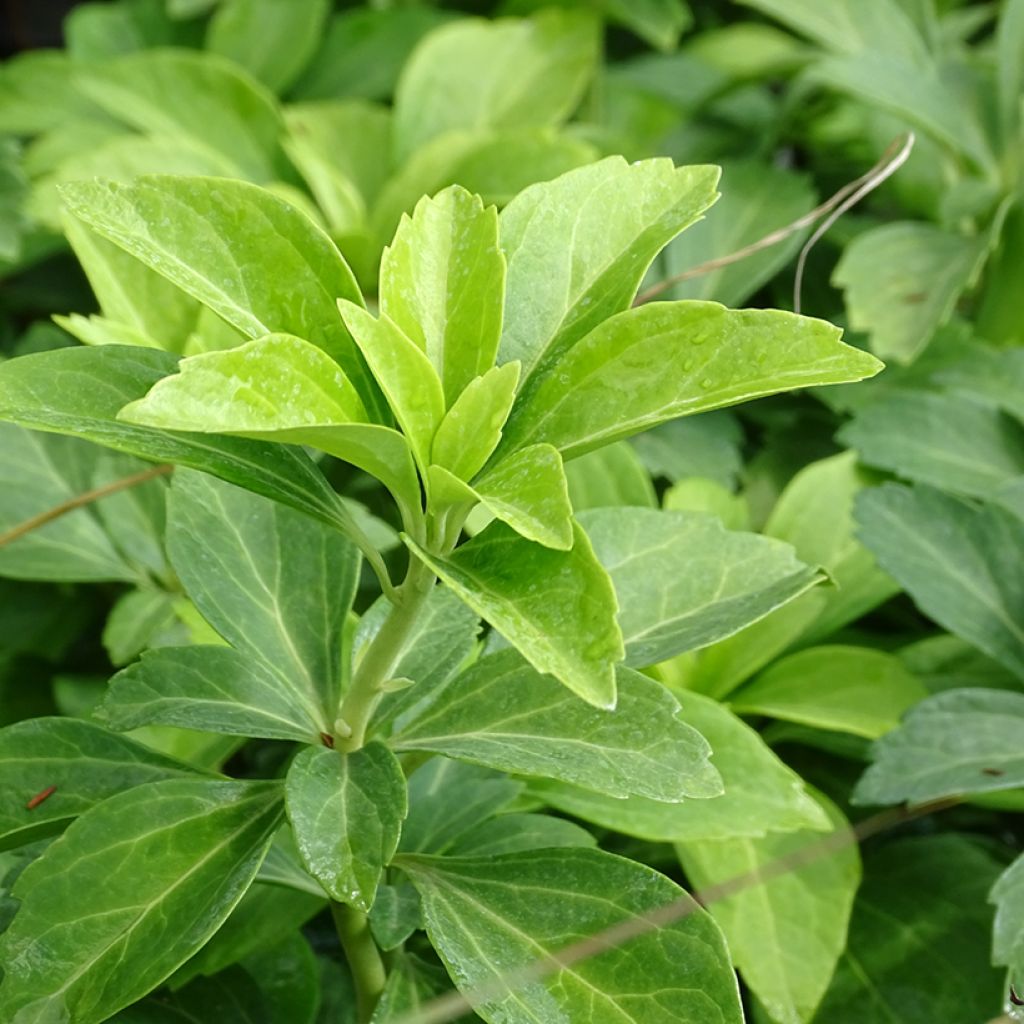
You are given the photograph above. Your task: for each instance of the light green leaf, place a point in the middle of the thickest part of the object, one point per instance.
(273, 41)
(471, 428)
(86, 764)
(684, 582)
(506, 74)
(556, 607)
(521, 833)
(276, 586)
(950, 556)
(503, 714)
(404, 373)
(785, 933)
(1010, 53)
(614, 383)
(214, 689)
(903, 281)
(281, 274)
(129, 892)
(137, 619)
(489, 918)
(952, 744)
(947, 440)
(579, 246)
(699, 494)
(930, 892)
(658, 22)
(761, 794)
(1008, 934)
(610, 476)
(442, 281)
(845, 689)
(347, 812)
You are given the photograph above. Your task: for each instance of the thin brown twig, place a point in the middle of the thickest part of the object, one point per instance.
(80, 500)
(453, 1004)
(892, 159)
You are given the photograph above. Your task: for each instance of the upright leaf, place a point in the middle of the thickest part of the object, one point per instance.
(491, 917)
(557, 607)
(130, 891)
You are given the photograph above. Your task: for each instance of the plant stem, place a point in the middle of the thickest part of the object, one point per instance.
(382, 654)
(364, 960)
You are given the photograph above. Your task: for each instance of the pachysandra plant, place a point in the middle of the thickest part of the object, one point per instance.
(500, 346)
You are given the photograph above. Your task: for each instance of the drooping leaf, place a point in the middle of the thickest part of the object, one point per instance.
(684, 582)
(786, 933)
(489, 916)
(846, 689)
(950, 556)
(954, 743)
(84, 763)
(347, 812)
(442, 281)
(614, 382)
(556, 607)
(761, 795)
(129, 892)
(503, 714)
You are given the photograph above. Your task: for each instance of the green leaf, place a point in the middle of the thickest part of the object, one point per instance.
(994, 376)
(932, 889)
(442, 282)
(86, 764)
(471, 428)
(347, 812)
(396, 913)
(761, 794)
(785, 933)
(411, 986)
(952, 744)
(231, 995)
(658, 22)
(503, 714)
(215, 689)
(489, 918)
(404, 373)
(506, 74)
(276, 586)
(135, 622)
(950, 556)
(684, 582)
(198, 97)
(273, 41)
(903, 281)
(613, 382)
(579, 246)
(448, 799)
(614, 475)
(556, 607)
(521, 833)
(288, 976)
(281, 274)
(845, 689)
(80, 391)
(278, 388)
(131, 890)
(1008, 934)
(947, 440)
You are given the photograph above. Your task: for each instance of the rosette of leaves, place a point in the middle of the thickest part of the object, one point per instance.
(500, 347)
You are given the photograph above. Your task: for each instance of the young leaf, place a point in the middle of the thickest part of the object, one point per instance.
(1008, 933)
(579, 246)
(954, 743)
(442, 282)
(761, 794)
(276, 586)
(80, 391)
(491, 917)
(613, 382)
(505, 74)
(503, 714)
(347, 812)
(845, 689)
(684, 582)
(557, 607)
(214, 689)
(83, 762)
(130, 891)
(950, 555)
(186, 229)
(787, 962)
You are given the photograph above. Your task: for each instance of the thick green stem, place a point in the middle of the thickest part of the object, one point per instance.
(364, 960)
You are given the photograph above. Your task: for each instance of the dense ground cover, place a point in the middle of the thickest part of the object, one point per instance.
(431, 544)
